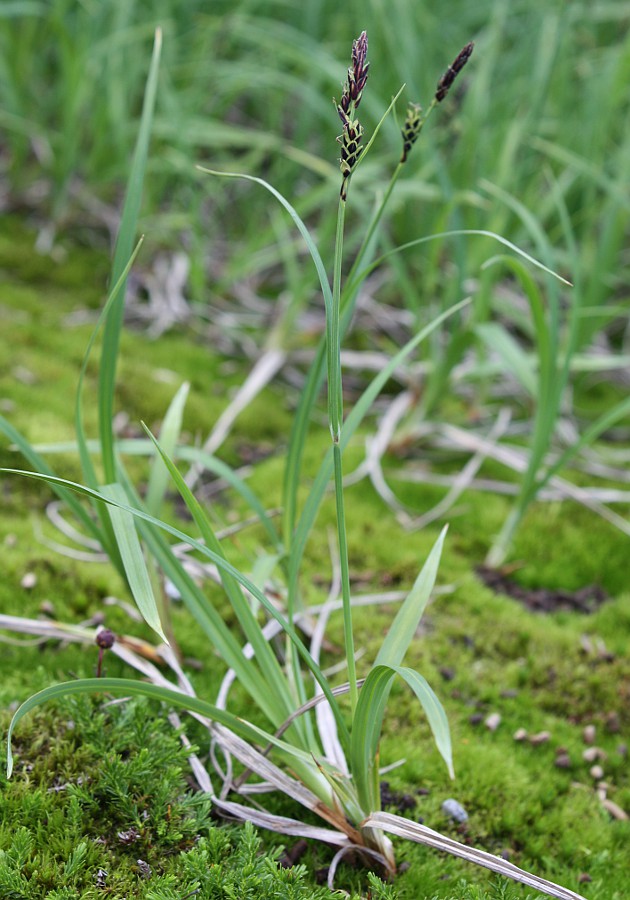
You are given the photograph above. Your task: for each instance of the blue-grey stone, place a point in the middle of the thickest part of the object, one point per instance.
(454, 810)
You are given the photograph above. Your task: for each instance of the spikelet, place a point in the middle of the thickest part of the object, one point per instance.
(350, 138)
(411, 129)
(447, 79)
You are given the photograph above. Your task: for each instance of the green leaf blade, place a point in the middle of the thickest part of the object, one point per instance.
(407, 619)
(133, 559)
(367, 725)
(124, 247)
(169, 437)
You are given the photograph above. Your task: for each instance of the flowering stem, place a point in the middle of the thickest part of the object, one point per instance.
(335, 392)
(345, 578)
(335, 414)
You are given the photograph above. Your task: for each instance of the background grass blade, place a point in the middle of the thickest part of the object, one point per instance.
(169, 438)
(124, 246)
(353, 420)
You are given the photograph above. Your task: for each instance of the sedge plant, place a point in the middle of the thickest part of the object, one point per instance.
(308, 745)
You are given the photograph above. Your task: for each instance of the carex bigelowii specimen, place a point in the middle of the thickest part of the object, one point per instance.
(350, 138)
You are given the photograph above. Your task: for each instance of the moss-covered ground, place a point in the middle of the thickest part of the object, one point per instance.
(104, 790)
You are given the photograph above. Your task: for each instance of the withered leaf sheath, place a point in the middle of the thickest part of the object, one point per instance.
(411, 129)
(350, 138)
(447, 79)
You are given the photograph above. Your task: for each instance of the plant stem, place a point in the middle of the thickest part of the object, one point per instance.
(345, 578)
(335, 416)
(333, 336)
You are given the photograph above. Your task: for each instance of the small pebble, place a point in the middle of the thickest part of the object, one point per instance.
(476, 718)
(562, 761)
(509, 694)
(541, 738)
(24, 375)
(46, 608)
(588, 735)
(447, 673)
(29, 581)
(520, 735)
(592, 754)
(454, 810)
(596, 772)
(586, 644)
(622, 750)
(584, 878)
(493, 721)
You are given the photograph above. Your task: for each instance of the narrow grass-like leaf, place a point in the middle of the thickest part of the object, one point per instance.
(277, 683)
(133, 560)
(588, 436)
(108, 540)
(413, 831)
(367, 725)
(22, 8)
(405, 625)
(169, 437)
(209, 621)
(310, 244)
(67, 496)
(221, 563)
(221, 636)
(496, 338)
(297, 443)
(126, 686)
(378, 126)
(281, 824)
(124, 246)
(87, 466)
(434, 711)
(145, 447)
(354, 419)
(458, 232)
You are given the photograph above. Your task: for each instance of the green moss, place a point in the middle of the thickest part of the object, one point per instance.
(99, 804)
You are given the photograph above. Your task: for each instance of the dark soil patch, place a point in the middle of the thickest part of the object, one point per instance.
(391, 799)
(585, 600)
